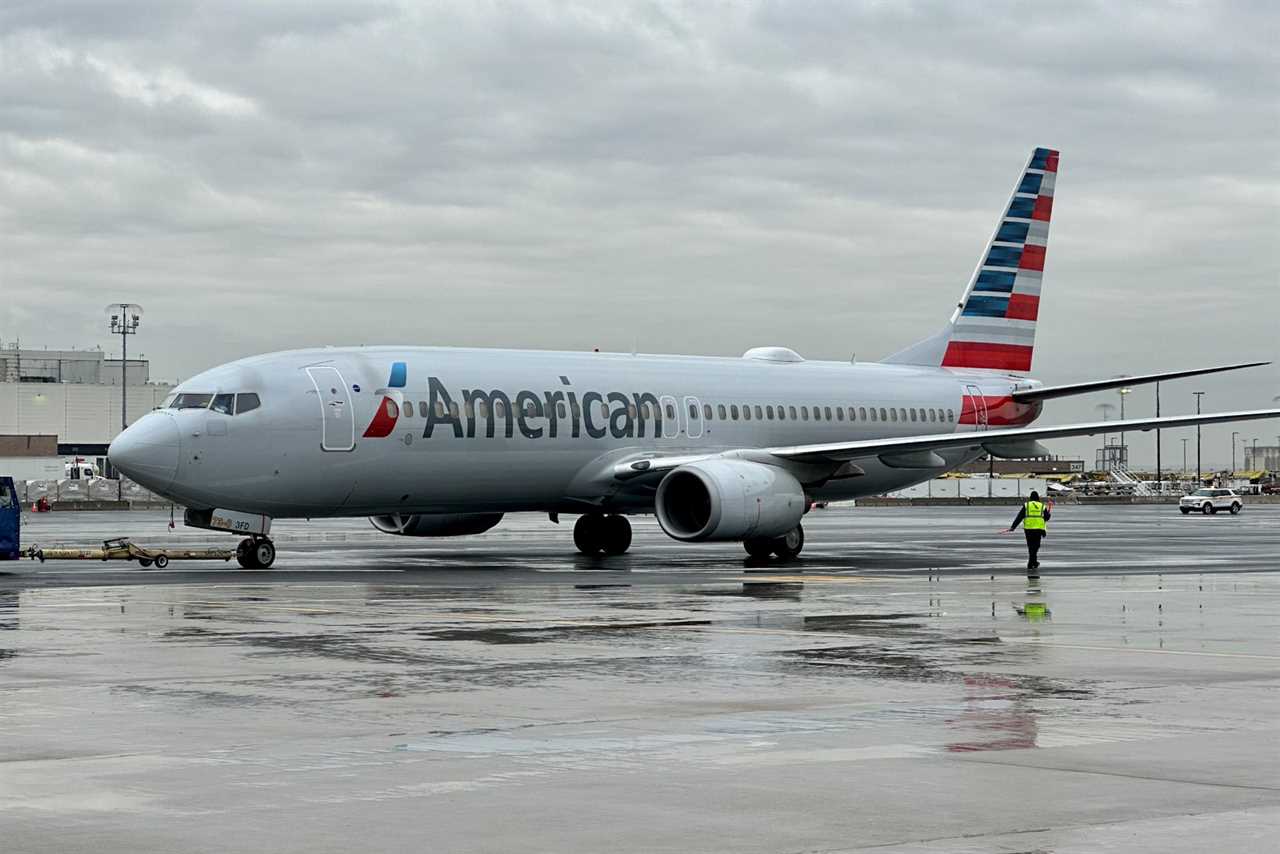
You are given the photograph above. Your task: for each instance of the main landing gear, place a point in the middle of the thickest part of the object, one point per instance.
(595, 534)
(256, 553)
(785, 547)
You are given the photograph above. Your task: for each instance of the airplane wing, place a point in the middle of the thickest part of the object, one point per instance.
(921, 451)
(1047, 392)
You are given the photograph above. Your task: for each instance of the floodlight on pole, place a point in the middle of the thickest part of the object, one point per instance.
(1234, 433)
(123, 320)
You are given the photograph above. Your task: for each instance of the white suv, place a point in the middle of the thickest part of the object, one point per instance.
(1211, 501)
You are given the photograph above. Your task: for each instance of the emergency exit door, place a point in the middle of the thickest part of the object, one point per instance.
(338, 422)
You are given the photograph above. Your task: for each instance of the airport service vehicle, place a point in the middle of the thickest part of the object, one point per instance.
(438, 441)
(10, 521)
(79, 470)
(1211, 501)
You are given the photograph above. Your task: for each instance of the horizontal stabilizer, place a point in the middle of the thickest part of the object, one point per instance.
(1048, 392)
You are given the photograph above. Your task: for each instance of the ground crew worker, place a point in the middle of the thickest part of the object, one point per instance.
(1033, 516)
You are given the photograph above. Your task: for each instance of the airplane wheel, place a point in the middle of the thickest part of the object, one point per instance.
(789, 544)
(244, 554)
(162, 561)
(758, 547)
(617, 534)
(588, 534)
(264, 554)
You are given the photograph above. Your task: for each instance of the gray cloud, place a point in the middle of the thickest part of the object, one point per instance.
(695, 177)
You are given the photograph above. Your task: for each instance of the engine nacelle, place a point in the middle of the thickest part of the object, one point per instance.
(435, 524)
(728, 500)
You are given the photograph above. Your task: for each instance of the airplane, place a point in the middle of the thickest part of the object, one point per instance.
(440, 441)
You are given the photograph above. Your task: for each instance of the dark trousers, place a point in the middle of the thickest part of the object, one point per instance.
(1034, 536)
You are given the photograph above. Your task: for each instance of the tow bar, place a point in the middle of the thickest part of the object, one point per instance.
(121, 548)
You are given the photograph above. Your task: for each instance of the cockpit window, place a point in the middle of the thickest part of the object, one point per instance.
(246, 401)
(192, 401)
(223, 403)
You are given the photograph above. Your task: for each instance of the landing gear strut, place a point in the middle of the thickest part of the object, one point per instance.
(594, 534)
(785, 547)
(256, 553)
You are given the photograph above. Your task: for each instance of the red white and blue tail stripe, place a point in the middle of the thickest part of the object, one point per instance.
(994, 325)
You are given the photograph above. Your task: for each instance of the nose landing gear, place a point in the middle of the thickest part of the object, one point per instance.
(256, 553)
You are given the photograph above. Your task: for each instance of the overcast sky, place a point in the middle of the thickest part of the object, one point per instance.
(691, 177)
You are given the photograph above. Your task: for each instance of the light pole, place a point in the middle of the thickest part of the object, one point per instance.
(1184, 459)
(1124, 451)
(1159, 471)
(1199, 478)
(1253, 458)
(1234, 433)
(124, 320)
(1105, 409)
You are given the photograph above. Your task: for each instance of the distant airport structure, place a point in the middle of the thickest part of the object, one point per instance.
(73, 395)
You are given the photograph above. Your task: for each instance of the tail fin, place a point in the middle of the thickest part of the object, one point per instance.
(994, 324)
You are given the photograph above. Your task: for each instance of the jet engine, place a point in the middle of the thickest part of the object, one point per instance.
(435, 524)
(728, 500)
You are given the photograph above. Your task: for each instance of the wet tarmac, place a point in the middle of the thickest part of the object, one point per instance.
(903, 687)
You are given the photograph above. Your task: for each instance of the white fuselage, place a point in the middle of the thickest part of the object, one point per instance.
(365, 431)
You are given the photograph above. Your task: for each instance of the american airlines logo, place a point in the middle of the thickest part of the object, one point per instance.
(534, 414)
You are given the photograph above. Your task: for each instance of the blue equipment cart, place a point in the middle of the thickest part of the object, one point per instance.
(10, 520)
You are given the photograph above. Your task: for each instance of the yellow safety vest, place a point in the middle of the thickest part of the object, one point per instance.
(1034, 520)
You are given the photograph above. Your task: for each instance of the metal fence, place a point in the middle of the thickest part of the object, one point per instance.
(97, 489)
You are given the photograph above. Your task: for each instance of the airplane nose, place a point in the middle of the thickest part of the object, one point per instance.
(147, 451)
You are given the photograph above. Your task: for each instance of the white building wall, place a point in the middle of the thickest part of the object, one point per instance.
(73, 412)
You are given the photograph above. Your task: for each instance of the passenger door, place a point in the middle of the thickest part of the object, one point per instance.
(338, 422)
(979, 406)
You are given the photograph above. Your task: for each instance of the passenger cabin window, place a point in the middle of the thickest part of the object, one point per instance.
(768, 412)
(671, 412)
(759, 413)
(224, 403)
(706, 412)
(746, 412)
(721, 412)
(884, 416)
(804, 413)
(693, 412)
(733, 411)
(951, 415)
(853, 416)
(782, 413)
(893, 415)
(408, 409)
(839, 413)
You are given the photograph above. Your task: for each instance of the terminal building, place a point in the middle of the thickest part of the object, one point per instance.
(73, 395)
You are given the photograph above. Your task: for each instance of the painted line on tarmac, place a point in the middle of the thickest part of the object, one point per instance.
(1040, 642)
